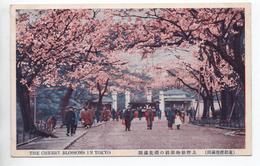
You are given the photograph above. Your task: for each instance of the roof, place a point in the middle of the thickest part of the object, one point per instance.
(177, 95)
(177, 92)
(106, 99)
(138, 98)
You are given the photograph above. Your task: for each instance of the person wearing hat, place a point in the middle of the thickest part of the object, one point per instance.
(70, 121)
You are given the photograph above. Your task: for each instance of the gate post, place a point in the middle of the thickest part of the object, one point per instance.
(161, 100)
(114, 100)
(127, 98)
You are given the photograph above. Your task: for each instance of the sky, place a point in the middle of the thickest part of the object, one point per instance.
(160, 56)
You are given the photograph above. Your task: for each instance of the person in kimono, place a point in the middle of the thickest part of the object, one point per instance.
(178, 120)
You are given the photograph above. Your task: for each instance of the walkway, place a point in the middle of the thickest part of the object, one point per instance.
(62, 142)
(112, 136)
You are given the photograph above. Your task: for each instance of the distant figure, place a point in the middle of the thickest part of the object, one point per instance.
(51, 123)
(128, 117)
(170, 118)
(192, 115)
(92, 114)
(87, 117)
(149, 118)
(139, 109)
(121, 114)
(113, 112)
(189, 114)
(166, 113)
(106, 114)
(117, 114)
(158, 113)
(143, 110)
(69, 120)
(98, 115)
(178, 120)
(135, 113)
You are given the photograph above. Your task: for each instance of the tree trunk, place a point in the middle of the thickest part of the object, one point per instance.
(23, 98)
(227, 100)
(64, 103)
(239, 50)
(101, 94)
(211, 102)
(205, 107)
(224, 104)
(99, 104)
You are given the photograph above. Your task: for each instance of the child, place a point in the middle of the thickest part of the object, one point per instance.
(178, 121)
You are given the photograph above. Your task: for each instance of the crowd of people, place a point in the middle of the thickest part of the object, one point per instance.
(89, 115)
(174, 116)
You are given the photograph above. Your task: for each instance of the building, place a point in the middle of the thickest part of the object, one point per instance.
(175, 98)
(164, 99)
(106, 101)
(142, 100)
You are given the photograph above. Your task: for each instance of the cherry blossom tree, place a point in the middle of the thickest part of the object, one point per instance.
(218, 33)
(70, 47)
(51, 46)
(64, 48)
(43, 41)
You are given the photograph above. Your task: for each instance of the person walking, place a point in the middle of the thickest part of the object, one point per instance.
(149, 115)
(158, 112)
(113, 112)
(51, 123)
(77, 117)
(128, 117)
(135, 113)
(106, 114)
(178, 120)
(166, 113)
(87, 117)
(139, 109)
(70, 121)
(170, 118)
(97, 115)
(117, 114)
(121, 114)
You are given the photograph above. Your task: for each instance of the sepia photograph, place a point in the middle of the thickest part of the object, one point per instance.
(131, 80)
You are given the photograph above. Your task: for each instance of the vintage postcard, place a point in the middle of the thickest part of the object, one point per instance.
(131, 80)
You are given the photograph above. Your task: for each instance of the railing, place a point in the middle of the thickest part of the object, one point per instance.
(231, 124)
(23, 137)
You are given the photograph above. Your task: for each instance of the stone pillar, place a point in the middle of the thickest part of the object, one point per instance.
(161, 100)
(149, 95)
(127, 98)
(114, 100)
